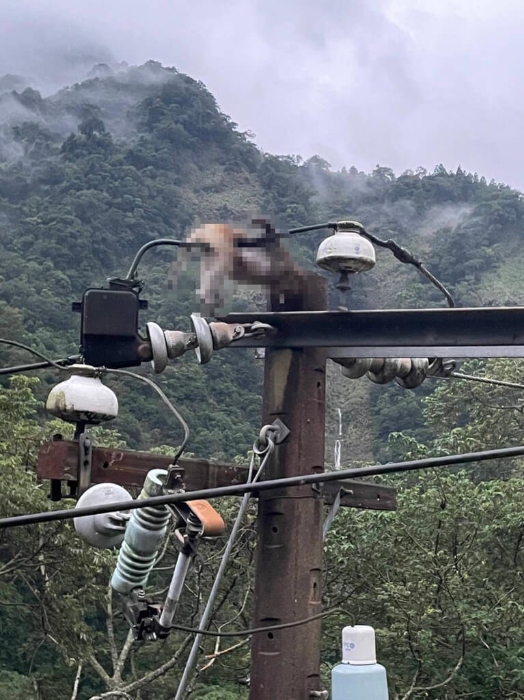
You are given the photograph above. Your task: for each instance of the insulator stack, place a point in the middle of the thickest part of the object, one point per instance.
(408, 372)
(145, 533)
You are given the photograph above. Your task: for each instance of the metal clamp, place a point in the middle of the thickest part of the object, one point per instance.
(277, 432)
(85, 459)
(142, 615)
(197, 519)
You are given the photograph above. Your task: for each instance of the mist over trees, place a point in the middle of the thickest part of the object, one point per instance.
(90, 173)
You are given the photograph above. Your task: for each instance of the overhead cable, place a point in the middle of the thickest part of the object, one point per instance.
(240, 489)
(164, 398)
(47, 361)
(482, 380)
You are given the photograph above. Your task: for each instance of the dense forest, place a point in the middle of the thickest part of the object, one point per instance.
(87, 176)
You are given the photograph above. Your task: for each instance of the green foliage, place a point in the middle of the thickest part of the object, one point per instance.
(440, 581)
(89, 175)
(15, 686)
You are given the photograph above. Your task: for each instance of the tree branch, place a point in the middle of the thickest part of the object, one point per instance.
(100, 669)
(110, 628)
(119, 666)
(77, 682)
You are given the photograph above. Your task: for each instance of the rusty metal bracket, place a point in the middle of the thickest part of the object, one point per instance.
(58, 461)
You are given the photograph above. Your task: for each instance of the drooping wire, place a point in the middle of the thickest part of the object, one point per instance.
(405, 256)
(195, 648)
(164, 398)
(258, 630)
(147, 246)
(104, 370)
(37, 353)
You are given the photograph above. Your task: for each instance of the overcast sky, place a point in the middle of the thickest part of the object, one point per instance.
(399, 83)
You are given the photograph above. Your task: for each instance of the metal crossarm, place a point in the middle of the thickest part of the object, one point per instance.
(472, 332)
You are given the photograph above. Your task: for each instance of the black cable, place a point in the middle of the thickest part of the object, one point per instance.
(66, 361)
(405, 256)
(49, 363)
(160, 241)
(259, 630)
(438, 284)
(314, 227)
(151, 244)
(240, 489)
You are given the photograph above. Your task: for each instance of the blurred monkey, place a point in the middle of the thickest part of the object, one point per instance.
(230, 254)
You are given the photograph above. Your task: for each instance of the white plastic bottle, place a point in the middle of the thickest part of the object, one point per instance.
(359, 677)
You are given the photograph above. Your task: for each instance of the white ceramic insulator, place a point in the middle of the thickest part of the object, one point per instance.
(82, 400)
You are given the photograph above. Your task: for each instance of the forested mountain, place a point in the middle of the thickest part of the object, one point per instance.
(90, 174)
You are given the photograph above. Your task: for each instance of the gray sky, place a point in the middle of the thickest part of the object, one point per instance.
(401, 83)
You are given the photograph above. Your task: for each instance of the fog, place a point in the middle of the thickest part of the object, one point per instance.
(400, 83)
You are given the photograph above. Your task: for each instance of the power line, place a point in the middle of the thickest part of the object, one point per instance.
(240, 489)
(484, 380)
(164, 398)
(47, 361)
(258, 630)
(147, 246)
(17, 369)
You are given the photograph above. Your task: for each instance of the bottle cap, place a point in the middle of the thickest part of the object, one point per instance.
(358, 645)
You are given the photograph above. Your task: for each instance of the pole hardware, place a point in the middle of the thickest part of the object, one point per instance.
(216, 335)
(107, 530)
(85, 457)
(408, 372)
(277, 432)
(142, 614)
(197, 519)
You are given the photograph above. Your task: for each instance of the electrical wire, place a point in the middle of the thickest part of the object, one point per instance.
(160, 242)
(167, 402)
(206, 615)
(37, 353)
(438, 284)
(288, 482)
(66, 361)
(405, 256)
(258, 630)
(483, 380)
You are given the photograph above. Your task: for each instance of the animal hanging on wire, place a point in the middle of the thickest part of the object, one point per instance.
(254, 256)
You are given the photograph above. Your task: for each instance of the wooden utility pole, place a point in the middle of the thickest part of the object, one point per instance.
(286, 663)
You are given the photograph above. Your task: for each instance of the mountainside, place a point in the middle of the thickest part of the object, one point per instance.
(91, 173)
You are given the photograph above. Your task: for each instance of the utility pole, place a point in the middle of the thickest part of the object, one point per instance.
(286, 663)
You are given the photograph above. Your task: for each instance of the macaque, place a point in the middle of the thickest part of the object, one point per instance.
(230, 254)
